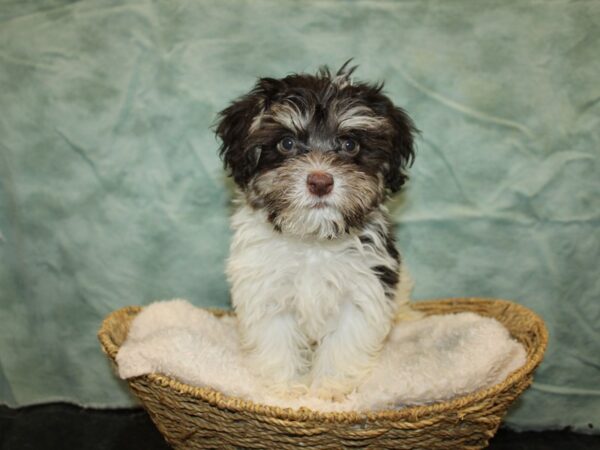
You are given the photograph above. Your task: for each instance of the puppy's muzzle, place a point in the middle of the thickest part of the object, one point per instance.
(319, 183)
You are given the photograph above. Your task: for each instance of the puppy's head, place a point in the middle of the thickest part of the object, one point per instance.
(317, 152)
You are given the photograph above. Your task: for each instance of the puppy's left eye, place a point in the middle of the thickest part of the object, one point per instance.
(350, 146)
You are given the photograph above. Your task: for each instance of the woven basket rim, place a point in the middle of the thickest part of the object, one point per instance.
(409, 413)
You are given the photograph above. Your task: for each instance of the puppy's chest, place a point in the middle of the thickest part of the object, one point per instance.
(310, 279)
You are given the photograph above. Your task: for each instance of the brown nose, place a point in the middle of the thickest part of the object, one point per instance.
(319, 183)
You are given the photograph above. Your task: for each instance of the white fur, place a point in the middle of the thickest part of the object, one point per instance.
(359, 117)
(290, 116)
(311, 311)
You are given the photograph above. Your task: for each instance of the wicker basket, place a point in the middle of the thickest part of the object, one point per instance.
(198, 418)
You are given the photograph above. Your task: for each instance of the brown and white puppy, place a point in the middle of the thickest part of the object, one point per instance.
(316, 279)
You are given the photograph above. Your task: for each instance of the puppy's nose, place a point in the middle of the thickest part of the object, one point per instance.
(319, 183)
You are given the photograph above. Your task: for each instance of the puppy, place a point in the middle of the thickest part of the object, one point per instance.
(316, 279)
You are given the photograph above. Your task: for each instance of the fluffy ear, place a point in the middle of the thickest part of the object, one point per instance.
(233, 126)
(403, 132)
(403, 151)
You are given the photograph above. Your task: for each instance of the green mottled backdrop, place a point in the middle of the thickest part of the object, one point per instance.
(111, 192)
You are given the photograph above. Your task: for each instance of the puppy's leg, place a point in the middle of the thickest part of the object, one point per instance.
(276, 351)
(347, 354)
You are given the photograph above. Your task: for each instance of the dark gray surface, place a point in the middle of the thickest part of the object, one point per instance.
(66, 427)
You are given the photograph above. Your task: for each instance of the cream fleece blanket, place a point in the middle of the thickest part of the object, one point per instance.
(432, 359)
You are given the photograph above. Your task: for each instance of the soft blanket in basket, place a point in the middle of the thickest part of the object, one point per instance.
(428, 360)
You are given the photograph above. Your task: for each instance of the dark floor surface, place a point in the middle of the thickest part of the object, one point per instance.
(66, 427)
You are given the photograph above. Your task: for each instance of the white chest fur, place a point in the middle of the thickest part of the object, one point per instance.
(310, 279)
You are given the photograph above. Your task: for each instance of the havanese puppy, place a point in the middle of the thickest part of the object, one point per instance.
(316, 279)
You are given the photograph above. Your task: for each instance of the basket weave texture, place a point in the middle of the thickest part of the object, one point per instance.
(198, 418)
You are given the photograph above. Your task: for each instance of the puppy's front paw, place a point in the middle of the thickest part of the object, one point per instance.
(331, 391)
(289, 390)
(329, 395)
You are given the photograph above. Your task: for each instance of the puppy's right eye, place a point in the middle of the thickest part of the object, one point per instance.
(286, 145)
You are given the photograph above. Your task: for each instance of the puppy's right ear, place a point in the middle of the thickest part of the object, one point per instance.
(234, 125)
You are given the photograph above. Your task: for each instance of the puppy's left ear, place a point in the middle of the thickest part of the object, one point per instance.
(233, 126)
(403, 148)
